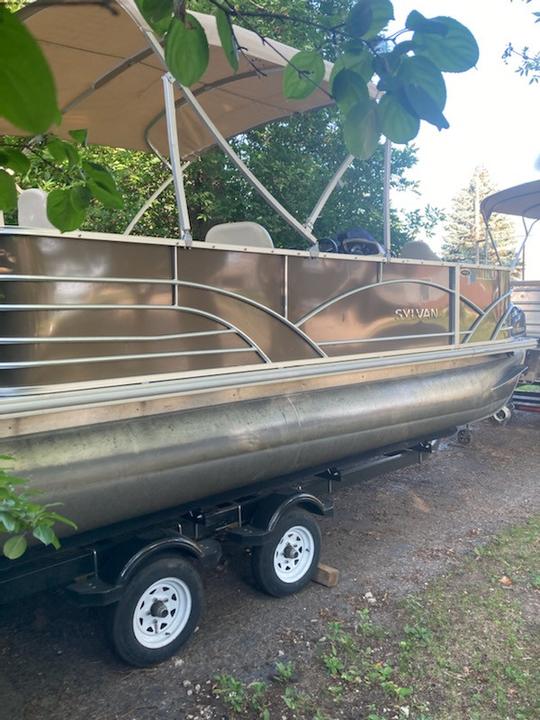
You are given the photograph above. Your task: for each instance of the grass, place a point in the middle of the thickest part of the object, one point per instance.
(465, 648)
(530, 387)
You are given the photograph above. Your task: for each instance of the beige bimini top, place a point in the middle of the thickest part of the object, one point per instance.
(109, 79)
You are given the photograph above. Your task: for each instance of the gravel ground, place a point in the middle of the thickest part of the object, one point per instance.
(389, 536)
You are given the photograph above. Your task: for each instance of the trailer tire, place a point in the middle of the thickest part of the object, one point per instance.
(289, 561)
(158, 611)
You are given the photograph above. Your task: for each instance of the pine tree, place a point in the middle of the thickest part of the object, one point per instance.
(466, 238)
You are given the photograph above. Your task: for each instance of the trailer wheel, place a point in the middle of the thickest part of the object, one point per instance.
(287, 563)
(502, 416)
(157, 613)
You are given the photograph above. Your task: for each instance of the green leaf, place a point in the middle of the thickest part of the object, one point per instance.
(63, 152)
(61, 519)
(303, 74)
(63, 211)
(80, 136)
(386, 65)
(16, 480)
(359, 19)
(360, 62)
(27, 94)
(423, 105)
(15, 547)
(368, 17)
(186, 50)
(227, 38)
(46, 535)
(419, 71)
(80, 197)
(360, 130)
(349, 89)
(456, 51)
(8, 191)
(14, 160)
(101, 184)
(396, 123)
(157, 13)
(416, 21)
(7, 521)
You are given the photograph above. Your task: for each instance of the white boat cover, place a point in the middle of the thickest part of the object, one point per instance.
(109, 80)
(522, 200)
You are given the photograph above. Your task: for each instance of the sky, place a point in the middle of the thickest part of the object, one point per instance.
(494, 114)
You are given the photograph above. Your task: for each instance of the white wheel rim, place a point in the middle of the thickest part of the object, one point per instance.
(162, 612)
(294, 554)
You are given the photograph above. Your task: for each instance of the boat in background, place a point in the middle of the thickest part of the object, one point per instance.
(524, 201)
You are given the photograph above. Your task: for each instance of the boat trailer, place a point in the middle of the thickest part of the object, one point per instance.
(274, 521)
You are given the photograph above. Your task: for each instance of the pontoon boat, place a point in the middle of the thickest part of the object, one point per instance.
(524, 201)
(139, 374)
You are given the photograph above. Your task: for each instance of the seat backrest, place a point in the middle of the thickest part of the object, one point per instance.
(418, 250)
(32, 209)
(246, 234)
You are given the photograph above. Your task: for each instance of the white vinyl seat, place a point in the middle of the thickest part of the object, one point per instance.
(32, 209)
(245, 234)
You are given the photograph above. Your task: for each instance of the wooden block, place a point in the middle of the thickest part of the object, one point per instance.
(326, 575)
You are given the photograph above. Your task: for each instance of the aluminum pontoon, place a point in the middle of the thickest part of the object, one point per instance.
(139, 374)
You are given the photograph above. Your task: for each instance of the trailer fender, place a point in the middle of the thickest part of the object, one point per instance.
(272, 509)
(106, 585)
(208, 552)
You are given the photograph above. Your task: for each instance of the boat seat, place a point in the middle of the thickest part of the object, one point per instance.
(32, 209)
(418, 250)
(246, 234)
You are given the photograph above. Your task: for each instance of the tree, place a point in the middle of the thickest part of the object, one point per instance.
(465, 234)
(294, 158)
(407, 67)
(528, 59)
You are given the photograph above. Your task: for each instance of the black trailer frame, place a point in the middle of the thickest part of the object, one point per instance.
(94, 566)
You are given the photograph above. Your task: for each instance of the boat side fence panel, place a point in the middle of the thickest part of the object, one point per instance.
(83, 309)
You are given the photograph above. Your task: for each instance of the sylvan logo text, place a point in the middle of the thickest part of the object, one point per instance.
(416, 313)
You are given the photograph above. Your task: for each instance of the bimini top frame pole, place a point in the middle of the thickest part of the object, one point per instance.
(387, 175)
(176, 163)
(327, 192)
(220, 139)
(148, 203)
(521, 249)
(246, 172)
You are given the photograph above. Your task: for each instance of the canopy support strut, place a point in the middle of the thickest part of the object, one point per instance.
(327, 192)
(521, 248)
(386, 197)
(246, 172)
(153, 197)
(176, 163)
(493, 243)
